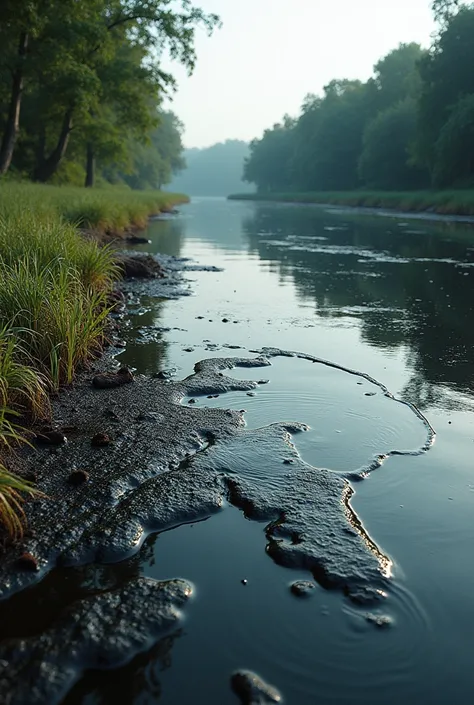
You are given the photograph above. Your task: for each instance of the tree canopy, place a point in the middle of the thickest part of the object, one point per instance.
(409, 126)
(82, 82)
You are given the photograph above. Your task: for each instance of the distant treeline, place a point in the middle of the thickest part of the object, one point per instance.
(410, 126)
(81, 86)
(214, 171)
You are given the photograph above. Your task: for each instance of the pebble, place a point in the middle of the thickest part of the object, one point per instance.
(51, 438)
(28, 562)
(78, 477)
(302, 588)
(100, 440)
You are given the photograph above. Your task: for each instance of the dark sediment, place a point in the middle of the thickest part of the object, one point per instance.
(168, 464)
(140, 266)
(104, 631)
(252, 690)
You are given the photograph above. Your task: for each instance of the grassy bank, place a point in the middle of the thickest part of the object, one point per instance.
(54, 302)
(110, 210)
(441, 202)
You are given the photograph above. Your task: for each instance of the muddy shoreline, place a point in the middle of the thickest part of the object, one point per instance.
(164, 464)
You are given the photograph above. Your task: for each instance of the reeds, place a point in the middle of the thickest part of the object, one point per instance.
(54, 290)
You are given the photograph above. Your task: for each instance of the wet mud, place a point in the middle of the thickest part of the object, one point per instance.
(165, 464)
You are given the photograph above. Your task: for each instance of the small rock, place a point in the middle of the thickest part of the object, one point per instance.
(28, 562)
(166, 374)
(251, 394)
(225, 320)
(370, 394)
(100, 440)
(51, 438)
(140, 266)
(137, 240)
(252, 690)
(200, 318)
(302, 588)
(111, 380)
(188, 349)
(288, 461)
(244, 581)
(381, 621)
(192, 401)
(78, 477)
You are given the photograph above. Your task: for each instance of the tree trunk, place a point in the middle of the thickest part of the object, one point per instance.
(41, 144)
(12, 126)
(46, 168)
(90, 166)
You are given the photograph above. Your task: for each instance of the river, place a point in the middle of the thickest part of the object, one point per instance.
(390, 297)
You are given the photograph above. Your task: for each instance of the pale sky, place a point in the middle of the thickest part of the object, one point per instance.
(270, 53)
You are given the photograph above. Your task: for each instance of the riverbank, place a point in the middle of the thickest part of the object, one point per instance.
(454, 203)
(110, 211)
(56, 293)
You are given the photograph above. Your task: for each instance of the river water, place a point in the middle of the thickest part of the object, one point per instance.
(390, 297)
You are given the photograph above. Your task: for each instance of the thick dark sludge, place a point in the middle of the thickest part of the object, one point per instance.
(167, 465)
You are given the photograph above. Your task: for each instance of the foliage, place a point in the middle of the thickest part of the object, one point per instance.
(321, 150)
(12, 491)
(213, 171)
(410, 126)
(54, 287)
(385, 159)
(84, 80)
(269, 164)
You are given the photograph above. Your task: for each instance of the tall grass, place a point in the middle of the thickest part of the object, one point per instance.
(54, 289)
(454, 202)
(105, 210)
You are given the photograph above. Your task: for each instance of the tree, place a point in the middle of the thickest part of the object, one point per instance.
(386, 162)
(444, 9)
(70, 50)
(214, 171)
(447, 78)
(269, 163)
(154, 163)
(20, 20)
(454, 164)
(397, 75)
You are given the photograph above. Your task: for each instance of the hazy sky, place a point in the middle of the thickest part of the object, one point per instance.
(270, 53)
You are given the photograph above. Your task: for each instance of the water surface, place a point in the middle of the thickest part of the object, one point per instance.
(389, 297)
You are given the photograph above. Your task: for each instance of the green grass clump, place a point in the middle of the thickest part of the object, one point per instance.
(54, 287)
(12, 492)
(53, 314)
(107, 210)
(21, 389)
(459, 202)
(54, 291)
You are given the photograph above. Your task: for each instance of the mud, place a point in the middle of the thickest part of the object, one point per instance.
(166, 464)
(103, 631)
(252, 690)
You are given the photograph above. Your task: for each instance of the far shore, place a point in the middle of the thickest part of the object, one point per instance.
(452, 205)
